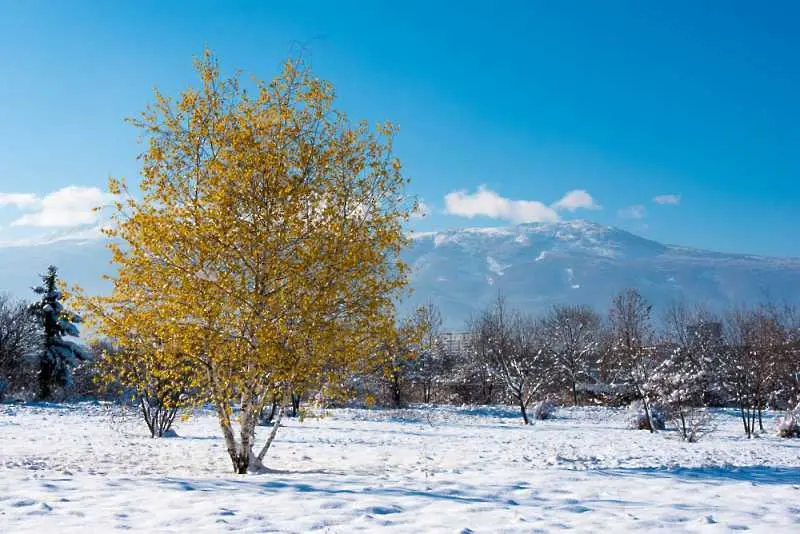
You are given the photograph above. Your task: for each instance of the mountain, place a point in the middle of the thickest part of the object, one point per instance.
(533, 265)
(578, 262)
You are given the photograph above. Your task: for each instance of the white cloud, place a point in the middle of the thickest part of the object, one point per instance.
(20, 200)
(79, 233)
(632, 212)
(672, 200)
(67, 207)
(487, 203)
(422, 210)
(576, 199)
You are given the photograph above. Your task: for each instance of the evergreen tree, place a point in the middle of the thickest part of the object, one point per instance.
(58, 354)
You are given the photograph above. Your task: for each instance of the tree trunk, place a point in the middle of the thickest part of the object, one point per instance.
(427, 390)
(397, 395)
(744, 419)
(524, 410)
(267, 419)
(243, 458)
(240, 463)
(647, 412)
(760, 420)
(246, 437)
(257, 462)
(45, 378)
(574, 394)
(295, 404)
(488, 391)
(683, 424)
(238, 460)
(238, 452)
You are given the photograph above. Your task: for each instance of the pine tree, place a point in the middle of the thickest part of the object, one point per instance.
(58, 355)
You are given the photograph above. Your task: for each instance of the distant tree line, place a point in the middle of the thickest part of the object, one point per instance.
(675, 364)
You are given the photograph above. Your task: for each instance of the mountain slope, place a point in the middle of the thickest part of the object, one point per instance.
(533, 265)
(537, 265)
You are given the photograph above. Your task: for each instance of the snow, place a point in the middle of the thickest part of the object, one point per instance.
(66, 468)
(496, 267)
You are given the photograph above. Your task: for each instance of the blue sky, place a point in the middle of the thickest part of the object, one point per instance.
(504, 108)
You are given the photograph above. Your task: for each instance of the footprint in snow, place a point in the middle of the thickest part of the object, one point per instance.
(42, 509)
(384, 510)
(577, 509)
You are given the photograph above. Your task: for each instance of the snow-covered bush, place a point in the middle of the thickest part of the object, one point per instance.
(692, 423)
(543, 410)
(637, 416)
(788, 426)
(680, 383)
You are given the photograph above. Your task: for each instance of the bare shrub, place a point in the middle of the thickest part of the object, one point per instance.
(544, 410)
(693, 423)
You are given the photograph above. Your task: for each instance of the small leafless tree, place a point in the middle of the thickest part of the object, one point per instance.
(686, 376)
(432, 364)
(754, 348)
(515, 344)
(631, 356)
(400, 354)
(573, 333)
(473, 371)
(20, 340)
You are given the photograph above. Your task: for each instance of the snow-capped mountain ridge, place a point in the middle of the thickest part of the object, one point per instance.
(537, 264)
(594, 237)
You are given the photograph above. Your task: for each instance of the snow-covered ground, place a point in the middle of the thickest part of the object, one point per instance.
(79, 468)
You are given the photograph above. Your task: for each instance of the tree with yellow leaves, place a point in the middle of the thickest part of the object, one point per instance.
(262, 248)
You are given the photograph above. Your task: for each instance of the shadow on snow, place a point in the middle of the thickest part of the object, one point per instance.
(754, 474)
